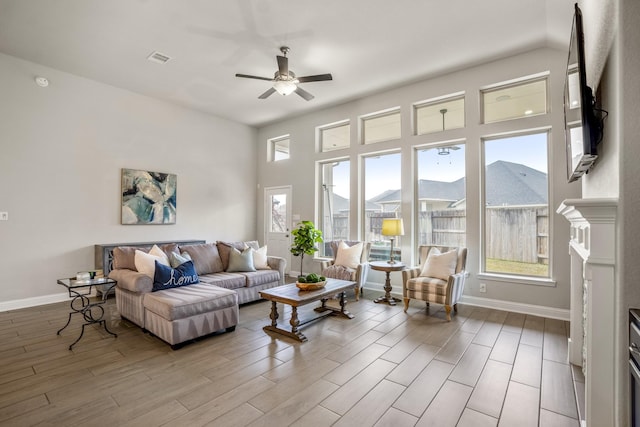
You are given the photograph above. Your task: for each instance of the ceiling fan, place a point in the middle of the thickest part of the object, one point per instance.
(285, 81)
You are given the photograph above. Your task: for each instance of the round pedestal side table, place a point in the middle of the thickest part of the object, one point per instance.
(387, 267)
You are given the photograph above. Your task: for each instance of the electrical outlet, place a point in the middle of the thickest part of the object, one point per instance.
(483, 287)
(4, 216)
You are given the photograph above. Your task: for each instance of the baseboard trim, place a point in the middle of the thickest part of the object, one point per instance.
(517, 307)
(379, 287)
(33, 302)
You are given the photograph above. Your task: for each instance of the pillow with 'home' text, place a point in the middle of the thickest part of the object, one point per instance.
(166, 277)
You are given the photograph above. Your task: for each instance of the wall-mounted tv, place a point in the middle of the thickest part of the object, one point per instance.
(583, 130)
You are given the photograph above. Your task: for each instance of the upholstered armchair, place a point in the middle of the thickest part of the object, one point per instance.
(439, 278)
(350, 262)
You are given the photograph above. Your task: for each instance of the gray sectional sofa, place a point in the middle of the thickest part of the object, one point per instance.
(183, 313)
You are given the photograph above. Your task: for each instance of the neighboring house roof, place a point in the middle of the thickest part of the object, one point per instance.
(428, 190)
(386, 196)
(341, 204)
(440, 190)
(515, 184)
(507, 184)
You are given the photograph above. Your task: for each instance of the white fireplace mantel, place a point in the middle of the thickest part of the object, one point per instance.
(593, 267)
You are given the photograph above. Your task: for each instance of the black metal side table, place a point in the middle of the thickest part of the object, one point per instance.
(92, 312)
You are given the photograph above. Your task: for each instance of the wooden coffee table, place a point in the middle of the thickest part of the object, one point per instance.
(291, 295)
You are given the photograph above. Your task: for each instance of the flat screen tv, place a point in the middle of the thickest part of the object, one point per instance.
(583, 130)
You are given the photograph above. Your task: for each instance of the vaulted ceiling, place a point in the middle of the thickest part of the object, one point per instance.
(367, 45)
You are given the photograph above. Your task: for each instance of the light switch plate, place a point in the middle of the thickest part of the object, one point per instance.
(4, 216)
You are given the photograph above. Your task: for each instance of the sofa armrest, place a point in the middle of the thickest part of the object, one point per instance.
(455, 287)
(277, 263)
(130, 280)
(325, 263)
(410, 273)
(361, 273)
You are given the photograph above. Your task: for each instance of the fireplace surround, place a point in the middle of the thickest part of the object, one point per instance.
(593, 340)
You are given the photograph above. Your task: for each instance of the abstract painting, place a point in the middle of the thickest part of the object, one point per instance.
(148, 197)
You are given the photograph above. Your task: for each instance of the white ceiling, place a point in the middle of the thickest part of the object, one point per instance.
(367, 45)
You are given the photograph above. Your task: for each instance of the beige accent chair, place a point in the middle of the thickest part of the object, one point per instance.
(358, 275)
(432, 289)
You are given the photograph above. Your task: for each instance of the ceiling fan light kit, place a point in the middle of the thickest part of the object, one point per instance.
(285, 81)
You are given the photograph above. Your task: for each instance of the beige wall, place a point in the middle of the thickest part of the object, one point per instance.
(61, 151)
(299, 170)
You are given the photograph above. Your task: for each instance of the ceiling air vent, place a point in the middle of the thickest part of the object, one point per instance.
(158, 57)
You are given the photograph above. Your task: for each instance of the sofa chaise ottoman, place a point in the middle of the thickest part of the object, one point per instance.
(180, 314)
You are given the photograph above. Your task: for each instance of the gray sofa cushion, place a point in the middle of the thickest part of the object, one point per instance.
(132, 280)
(187, 301)
(225, 280)
(205, 257)
(124, 256)
(261, 277)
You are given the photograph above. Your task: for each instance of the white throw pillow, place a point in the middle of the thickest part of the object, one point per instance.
(145, 263)
(440, 265)
(260, 259)
(156, 251)
(349, 256)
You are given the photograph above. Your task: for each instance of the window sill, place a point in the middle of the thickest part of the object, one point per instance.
(521, 280)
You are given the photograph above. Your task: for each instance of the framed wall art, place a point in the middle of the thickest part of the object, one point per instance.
(148, 197)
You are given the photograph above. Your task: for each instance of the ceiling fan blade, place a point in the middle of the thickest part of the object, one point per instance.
(283, 65)
(267, 94)
(317, 78)
(303, 93)
(247, 76)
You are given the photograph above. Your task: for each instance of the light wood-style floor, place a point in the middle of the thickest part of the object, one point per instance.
(383, 368)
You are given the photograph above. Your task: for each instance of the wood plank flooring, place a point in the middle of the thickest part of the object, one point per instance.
(382, 368)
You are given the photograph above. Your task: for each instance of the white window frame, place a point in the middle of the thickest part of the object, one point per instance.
(321, 194)
(271, 147)
(416, 188)
(504, 277)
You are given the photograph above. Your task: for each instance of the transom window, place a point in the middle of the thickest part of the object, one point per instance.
(382, 126)
(335, 137)
(437, 116)
(279, 148)
(515, 100)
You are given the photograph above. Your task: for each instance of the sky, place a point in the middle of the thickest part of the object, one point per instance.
(383, 172)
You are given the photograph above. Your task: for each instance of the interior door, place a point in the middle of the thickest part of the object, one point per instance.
(277, 208)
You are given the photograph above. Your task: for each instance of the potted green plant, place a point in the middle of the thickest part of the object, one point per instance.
(305, 238)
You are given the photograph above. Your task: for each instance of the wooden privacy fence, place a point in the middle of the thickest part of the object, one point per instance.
(442, 228)
(518, 233)
(514, 233)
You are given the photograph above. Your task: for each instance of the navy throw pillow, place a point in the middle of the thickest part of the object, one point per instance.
(167, 277)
